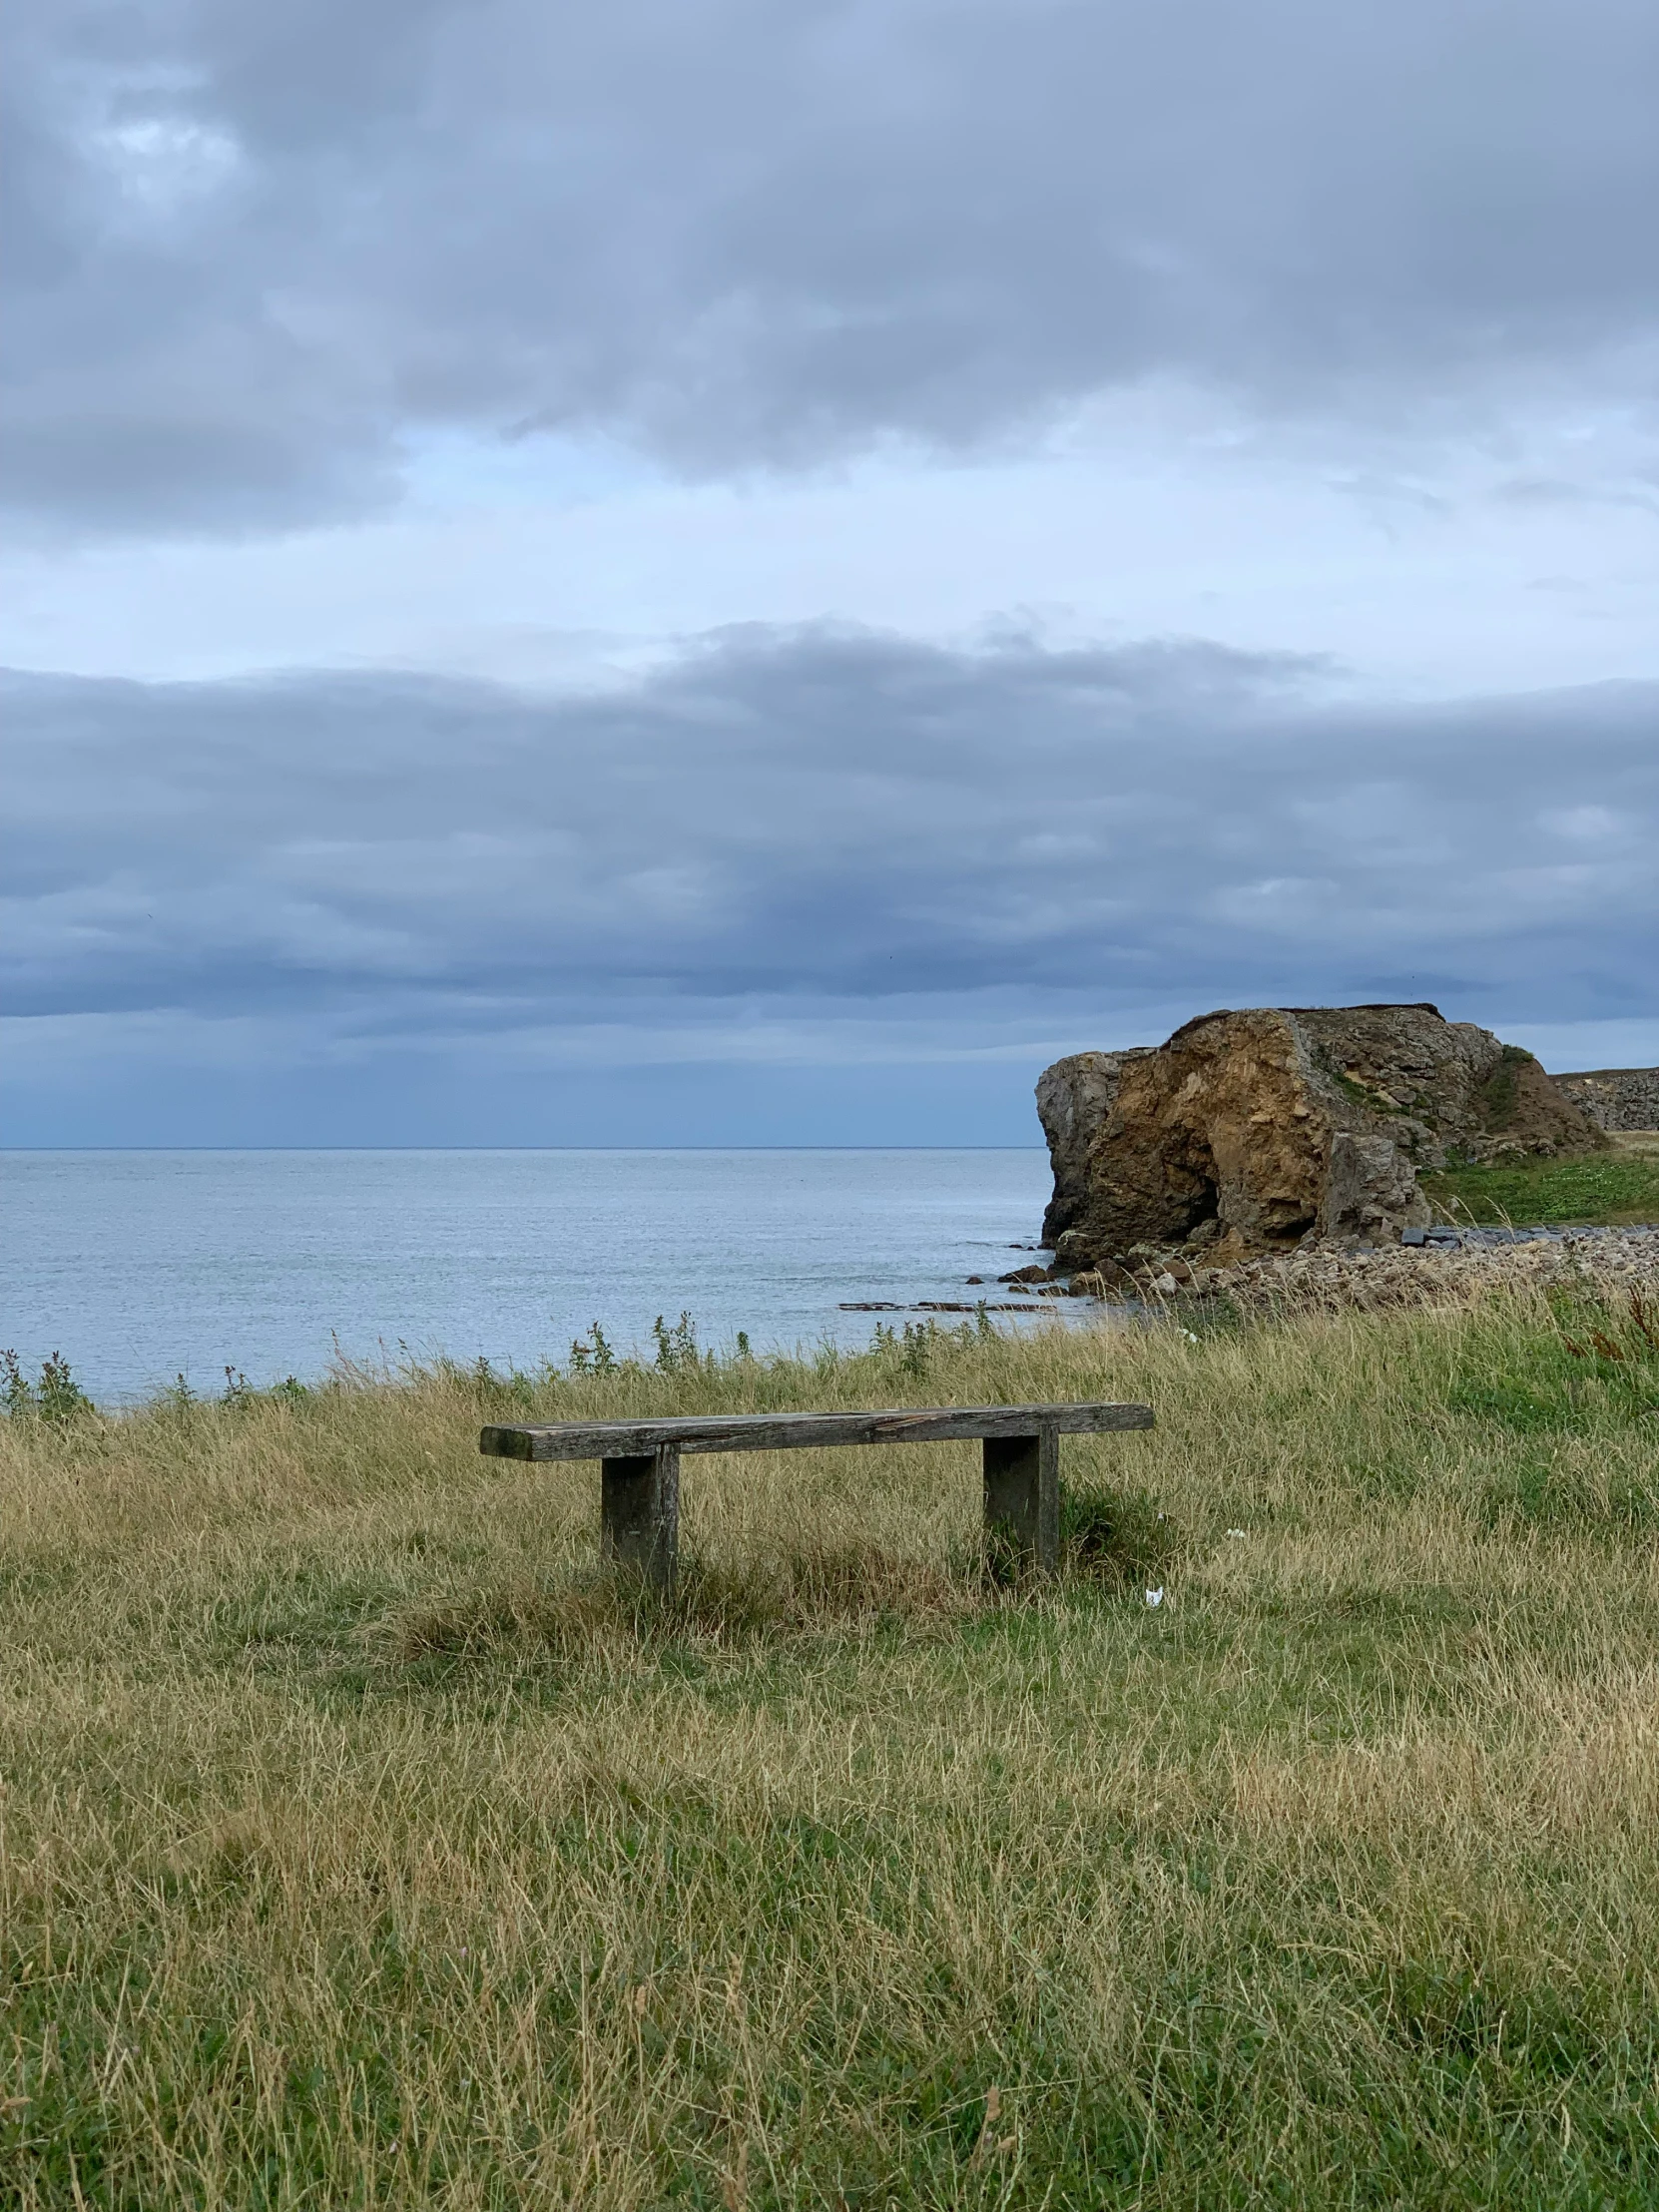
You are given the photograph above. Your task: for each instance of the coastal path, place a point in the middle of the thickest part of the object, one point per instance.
(639, 1511)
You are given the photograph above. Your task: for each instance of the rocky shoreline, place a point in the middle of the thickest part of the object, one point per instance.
(1428, 1267)
(1442, 1266)
(1435, 1267)
(1270, 1158)
(1446, 1267)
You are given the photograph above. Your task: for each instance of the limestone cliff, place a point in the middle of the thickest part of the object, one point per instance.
(1074, 1097)
(1249, 1131)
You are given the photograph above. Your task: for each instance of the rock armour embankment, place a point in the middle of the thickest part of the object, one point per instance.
(1616, 1098)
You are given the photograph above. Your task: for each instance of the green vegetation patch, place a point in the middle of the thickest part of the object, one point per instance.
(1607, 1187)
(1594, 1372)
(1122, 1539)
(1577, 1362)
(1500, 1093)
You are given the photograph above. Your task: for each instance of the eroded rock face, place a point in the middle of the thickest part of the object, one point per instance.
(1252, 1130)
(1074, 1096)
(1443, 1087)
(1613, 1098)
(1371, 1190)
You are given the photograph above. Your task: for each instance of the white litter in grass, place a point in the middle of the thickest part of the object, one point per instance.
(1238, 1531)
(1155, 1597)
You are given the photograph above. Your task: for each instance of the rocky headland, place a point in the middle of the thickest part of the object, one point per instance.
(1274, 1154)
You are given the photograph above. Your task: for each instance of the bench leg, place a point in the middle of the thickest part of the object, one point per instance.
(639, 1514)
(1022, 1498)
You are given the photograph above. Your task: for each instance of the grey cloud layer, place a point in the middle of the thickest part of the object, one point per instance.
(808, 816)
(253, 245)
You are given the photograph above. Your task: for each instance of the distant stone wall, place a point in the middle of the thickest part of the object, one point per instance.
(1616, 1098)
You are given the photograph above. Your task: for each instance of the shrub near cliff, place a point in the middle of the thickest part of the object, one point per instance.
(1249, 1131)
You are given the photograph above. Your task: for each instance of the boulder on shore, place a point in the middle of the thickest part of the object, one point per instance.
(1248, 1132)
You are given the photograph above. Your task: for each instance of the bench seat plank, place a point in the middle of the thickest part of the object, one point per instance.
(576, 1439)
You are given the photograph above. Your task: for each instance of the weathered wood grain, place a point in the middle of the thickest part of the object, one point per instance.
(1022, 1498)
(639, 1514)
(803, 1431)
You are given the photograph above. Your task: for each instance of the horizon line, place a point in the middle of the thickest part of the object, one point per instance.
(22, 1150)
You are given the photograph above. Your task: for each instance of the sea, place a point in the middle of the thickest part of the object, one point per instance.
(142, 1267)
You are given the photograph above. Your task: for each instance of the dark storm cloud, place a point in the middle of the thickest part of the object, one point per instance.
(254, 247)
(806, 816)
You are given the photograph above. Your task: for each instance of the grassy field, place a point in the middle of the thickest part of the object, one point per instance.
(360, 1846)
(1617, 1186)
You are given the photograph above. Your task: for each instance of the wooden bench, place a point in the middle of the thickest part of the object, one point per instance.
(639, 1513)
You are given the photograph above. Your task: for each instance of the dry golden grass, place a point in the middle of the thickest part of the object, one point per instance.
(362, 1844)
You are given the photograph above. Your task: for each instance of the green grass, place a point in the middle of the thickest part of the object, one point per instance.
(361, 1845)
(1618, 1185)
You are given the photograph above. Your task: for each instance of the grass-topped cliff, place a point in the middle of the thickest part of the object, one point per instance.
(361, 1846)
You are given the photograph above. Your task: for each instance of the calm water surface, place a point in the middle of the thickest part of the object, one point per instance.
(140, 1265)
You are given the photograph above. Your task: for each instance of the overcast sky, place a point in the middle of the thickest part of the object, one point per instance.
(752, 572)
